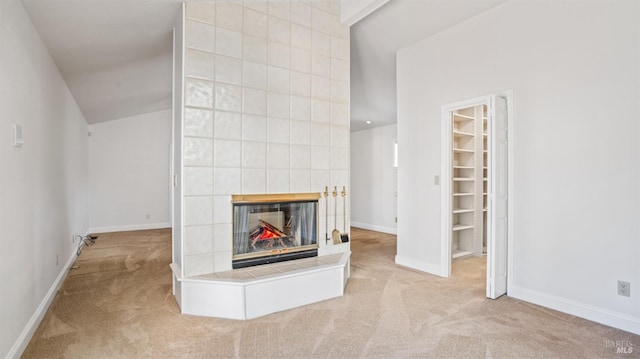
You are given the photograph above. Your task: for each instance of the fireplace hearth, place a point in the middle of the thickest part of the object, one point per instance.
(274, 228)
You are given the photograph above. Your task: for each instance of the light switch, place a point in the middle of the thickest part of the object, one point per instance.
(17, 136)
(436, 180)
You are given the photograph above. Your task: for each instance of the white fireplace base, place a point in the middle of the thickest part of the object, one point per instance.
(253, 292)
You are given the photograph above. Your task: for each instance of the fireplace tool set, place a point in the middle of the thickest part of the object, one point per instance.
(336, 236)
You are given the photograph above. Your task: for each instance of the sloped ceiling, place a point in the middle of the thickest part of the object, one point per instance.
(375, 41)
(115, 55)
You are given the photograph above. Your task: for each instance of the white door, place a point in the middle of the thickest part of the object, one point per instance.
(497, 231)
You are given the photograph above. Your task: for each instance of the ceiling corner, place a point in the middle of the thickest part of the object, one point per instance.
(353, 11)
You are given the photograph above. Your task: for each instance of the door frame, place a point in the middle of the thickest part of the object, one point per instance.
(446, 187)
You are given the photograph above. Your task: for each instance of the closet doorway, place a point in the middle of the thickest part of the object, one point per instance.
(476, 180)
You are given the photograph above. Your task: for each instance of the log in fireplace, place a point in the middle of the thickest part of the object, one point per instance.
(274, 228)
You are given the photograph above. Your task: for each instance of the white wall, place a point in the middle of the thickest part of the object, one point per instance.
(374, 179)
(576, 131)
(44, 184)
(129, 173)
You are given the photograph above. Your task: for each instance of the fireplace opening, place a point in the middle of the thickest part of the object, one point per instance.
(274, 228)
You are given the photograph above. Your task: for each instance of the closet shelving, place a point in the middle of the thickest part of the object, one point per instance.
(469, 181)
(485, 180)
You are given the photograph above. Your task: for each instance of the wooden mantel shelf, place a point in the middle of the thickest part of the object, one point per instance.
(276, 197)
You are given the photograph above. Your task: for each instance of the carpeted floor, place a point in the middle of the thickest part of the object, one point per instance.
(118, 304)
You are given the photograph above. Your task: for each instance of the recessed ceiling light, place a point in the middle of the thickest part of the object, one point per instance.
(368, 122)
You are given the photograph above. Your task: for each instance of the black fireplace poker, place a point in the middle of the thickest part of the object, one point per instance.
(326, 213)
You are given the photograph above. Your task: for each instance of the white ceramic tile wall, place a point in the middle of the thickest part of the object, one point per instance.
(199, 64)
(278, 155)
(254, 101)
(254, 48)
(320, 110)
(198, 210)
(229, 15)
(254, 181)
(198, 123)
(254, 75)
(202, 12)
(227, 153)
(267, 111)
(226, 125)
(228, 70)
(254, 128)
(202, 240)
(277, 130)
(197, 181)
(301, 106)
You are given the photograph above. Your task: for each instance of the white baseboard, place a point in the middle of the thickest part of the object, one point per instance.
(130, 227)
(27, 333)
(599, 315)
(373, 227)
(418, 265)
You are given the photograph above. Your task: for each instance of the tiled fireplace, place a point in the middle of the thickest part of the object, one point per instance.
(261, 107)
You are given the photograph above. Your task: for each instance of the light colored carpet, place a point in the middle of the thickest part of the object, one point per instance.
(118, 304)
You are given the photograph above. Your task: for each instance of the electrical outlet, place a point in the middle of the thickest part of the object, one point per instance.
(624, 288)
(57, 259)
